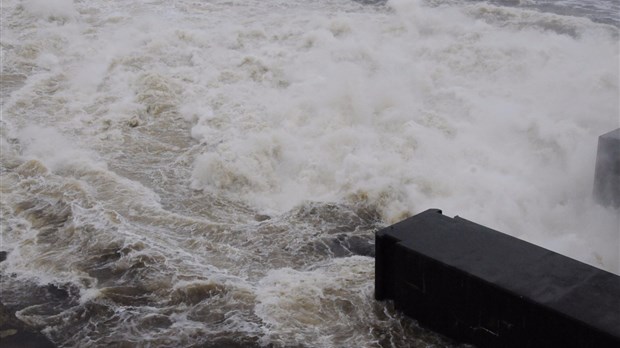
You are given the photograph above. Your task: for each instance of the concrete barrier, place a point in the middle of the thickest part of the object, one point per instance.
(607, 171)
(481, 286)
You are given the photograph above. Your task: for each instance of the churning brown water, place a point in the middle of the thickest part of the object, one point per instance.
(211, 173)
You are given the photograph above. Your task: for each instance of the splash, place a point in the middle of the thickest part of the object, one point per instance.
(212, 173)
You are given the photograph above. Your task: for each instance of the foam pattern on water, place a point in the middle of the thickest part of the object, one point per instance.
(212, 173)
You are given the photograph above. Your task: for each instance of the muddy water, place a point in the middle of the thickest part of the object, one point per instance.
(211, 173)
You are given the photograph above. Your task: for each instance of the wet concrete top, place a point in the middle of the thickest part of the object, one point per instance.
(614, 134)
(578, 290)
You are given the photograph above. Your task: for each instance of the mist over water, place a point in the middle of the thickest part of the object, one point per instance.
(211, 173)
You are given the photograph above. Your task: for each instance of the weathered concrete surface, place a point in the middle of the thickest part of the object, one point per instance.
(607, 171)
(481, 286)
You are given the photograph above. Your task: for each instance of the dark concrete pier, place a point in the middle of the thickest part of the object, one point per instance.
(481, 286)
(607, 171)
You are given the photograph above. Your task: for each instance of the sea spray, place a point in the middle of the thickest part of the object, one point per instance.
(182, 173)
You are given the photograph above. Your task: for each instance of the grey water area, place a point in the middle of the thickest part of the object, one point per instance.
(600, 11)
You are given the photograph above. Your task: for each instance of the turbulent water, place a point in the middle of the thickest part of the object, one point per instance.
(211, 173)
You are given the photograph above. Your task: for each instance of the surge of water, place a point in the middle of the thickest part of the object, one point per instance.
(212, 172)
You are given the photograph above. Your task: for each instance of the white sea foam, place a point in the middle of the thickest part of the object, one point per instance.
(200, 158)
(56, 151)
(294, 304)
(50, 8)
(419, 108)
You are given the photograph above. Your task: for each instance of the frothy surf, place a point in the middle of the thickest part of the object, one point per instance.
(212, 173)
